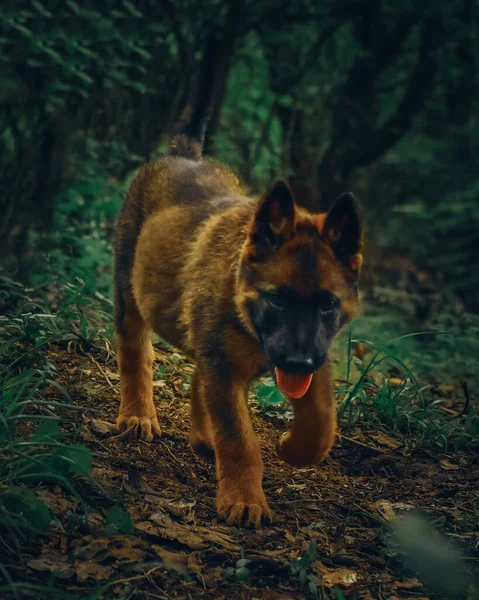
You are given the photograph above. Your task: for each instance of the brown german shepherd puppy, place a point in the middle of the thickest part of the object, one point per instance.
(241, 285)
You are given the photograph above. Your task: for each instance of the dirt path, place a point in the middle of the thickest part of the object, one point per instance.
(332, 517)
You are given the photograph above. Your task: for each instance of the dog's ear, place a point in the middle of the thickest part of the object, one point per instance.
(273, 223)
(343, 232)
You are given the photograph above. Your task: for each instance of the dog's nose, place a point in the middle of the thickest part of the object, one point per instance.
(298, 364)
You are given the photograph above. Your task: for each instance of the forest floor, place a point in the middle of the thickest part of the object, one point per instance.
(330, 537)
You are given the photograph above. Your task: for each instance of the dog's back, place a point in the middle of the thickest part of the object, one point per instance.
(169, 200)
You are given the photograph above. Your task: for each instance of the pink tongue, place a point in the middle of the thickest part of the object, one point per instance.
(293, 386)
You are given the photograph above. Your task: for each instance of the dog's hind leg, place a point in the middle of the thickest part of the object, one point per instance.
(201, 436)
(137, 417)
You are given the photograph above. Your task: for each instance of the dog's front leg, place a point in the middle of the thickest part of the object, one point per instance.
(240, 499)
(313, 431)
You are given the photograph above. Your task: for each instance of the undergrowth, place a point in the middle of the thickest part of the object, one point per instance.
(402, 404)
(37, 434)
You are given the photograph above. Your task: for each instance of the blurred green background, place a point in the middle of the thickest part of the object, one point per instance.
(378, 97)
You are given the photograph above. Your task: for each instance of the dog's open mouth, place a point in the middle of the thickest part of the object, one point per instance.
(293, 385)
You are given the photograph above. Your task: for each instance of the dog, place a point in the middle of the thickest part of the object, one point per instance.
(243, 286)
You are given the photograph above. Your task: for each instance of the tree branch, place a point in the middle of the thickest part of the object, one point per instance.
(413, 100)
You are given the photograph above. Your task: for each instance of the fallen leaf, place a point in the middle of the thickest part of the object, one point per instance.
(148, 528)
(95, 522)
(386, 440)
(48, 560)
(388, 510)
(57, 503)
(188, 538)
(409, 584)
(384, 509)
(59, 541)
(92, 548)
(173, 531)
(176, 561)
(181, 508)
(127, 548)
(65, 571)
(331, 577)
(289, 537)
(90, 569)
(295, 487)
(195, 565)
(100, 427)
(448, 465)
(221, 539)
(196, 538)
(125, 554)
(105, 477)
(402, 506)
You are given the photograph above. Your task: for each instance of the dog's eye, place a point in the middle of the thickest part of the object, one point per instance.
(329, 305)
(274, 300)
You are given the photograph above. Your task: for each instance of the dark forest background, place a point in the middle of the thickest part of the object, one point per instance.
(378, 97)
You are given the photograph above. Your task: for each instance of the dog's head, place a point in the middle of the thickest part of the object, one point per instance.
(298, 281)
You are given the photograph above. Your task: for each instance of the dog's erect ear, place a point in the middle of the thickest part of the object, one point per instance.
(342, 231)
(274, 219)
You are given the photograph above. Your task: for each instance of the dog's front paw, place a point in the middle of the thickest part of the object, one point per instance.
(241, 506)
(300, 453)
(143, 428)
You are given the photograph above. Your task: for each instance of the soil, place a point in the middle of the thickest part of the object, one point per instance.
(334, 516)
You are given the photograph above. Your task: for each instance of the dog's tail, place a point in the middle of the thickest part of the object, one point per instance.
(191, 131)
(185, 147)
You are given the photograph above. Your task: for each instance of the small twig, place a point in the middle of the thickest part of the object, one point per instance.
(348, 439)
(175, 459)
(454, 414)
(137, 578)
(465, 389)
(109, 350)
(102, 371)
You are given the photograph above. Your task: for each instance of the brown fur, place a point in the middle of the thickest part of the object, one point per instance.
(183, 236)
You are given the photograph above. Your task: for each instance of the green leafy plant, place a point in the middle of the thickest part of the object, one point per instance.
(240, 571)
(21, 509)
(35, 447)
(118, 521)
(301, 568)
(268, 394)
